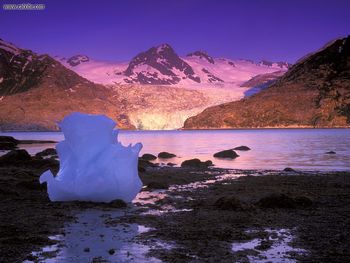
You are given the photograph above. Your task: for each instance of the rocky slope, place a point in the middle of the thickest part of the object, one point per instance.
(37, 91)
(315, 92)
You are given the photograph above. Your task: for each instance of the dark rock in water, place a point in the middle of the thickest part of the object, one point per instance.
(264, 245)
(242, 148)
(111, 251)
(331, 152)
(158, 185)
(171, 164)
(47, 152)
(117, 204)
(14, 157)
(283, 201)
(8, 143)
(288, 169)
(196, 163)
(145, 163)
(229, 203)
(226, 154)
(166, 155)
(148, 157)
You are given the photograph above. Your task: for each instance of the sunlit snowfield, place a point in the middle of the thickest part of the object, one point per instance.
(271, 148)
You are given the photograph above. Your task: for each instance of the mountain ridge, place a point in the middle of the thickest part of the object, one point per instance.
(161, 65)
(313, 93)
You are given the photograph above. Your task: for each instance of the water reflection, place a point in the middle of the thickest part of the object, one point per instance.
(271, 148)
(274, 248)
(91, 238)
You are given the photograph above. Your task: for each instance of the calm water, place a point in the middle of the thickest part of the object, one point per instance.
(271, 148)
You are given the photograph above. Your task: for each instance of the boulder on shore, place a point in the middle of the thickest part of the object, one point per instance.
(8, 143)
(148, 157)
(14, 157)
(166, 155)
(46, 152)
(288, 169)
(284, 201)
(226, 154)
(158, 185)
(242, 148)
(196, 163)
(229, 203)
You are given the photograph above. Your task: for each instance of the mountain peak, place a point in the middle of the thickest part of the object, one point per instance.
(164, 47)
(159, 65)
(77, 59)
(202, 55)
(280, 64)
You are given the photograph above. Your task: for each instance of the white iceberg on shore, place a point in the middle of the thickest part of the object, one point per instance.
(94, 166)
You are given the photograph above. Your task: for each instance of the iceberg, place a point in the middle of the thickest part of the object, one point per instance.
(94, 166)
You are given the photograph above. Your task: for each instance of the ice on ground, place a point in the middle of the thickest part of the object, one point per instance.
(94, 166)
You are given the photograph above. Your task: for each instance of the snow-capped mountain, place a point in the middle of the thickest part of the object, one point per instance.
(314, 92)
(157, 89)
(161, 65)
(36, 91)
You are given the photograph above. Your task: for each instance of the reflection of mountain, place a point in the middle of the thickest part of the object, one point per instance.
(315, 92)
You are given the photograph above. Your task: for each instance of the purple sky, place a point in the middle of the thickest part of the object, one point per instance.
(119, 29)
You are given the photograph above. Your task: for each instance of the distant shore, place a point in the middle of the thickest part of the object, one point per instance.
(204, 129)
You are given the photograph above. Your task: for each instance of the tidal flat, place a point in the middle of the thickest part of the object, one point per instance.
(191, 215)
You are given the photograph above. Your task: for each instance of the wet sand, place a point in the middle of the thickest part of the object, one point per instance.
(205, 214)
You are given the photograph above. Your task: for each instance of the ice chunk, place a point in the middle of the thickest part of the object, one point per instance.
(94, 166)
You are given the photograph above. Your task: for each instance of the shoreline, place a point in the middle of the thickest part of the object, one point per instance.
(204, 129)
(27, 228)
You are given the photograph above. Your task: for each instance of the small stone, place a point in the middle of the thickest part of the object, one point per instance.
(15, 156)
(166, 155)
(47, 152)
(228, 203)
(111, 251)
(242, 148)
(331, 152)
(158, 185)
(86, 249)
(148, 157)
(226, 154)
(196, 163)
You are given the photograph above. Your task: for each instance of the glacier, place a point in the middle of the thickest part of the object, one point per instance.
(94, 166)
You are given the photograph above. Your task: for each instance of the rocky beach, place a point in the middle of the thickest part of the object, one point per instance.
(194, 213)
